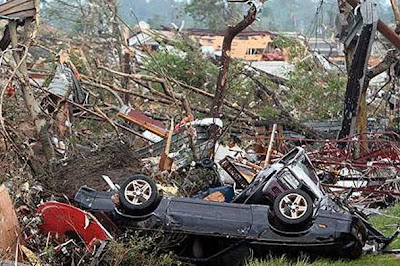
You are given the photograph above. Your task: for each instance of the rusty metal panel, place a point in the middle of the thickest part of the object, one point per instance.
(144, 121)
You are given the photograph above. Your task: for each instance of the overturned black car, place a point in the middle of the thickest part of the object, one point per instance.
(284, 208)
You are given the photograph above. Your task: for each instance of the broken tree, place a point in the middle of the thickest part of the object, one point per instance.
(357, 51)
(221, 88)
(26, 12)
(358, 55)
(230, 34)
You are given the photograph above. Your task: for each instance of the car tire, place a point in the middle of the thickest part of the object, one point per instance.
(293, 208)
(235, 257)
(138, 195)
(355, 249)
(207, 163)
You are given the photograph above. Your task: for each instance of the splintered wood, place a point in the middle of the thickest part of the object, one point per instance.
(166, 161)
(10, 232)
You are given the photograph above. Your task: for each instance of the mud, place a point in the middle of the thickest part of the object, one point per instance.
(116, 161)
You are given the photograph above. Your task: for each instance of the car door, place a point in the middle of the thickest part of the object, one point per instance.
(208, 218)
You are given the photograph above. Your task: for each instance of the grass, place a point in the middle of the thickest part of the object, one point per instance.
(386, 223)
(369, 260)
(381, 222)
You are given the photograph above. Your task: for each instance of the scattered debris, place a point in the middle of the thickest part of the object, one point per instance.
(62, 220)
(143, 149)
(289, 199)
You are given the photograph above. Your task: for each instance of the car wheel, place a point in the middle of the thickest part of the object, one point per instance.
(138, 195)
(207, 163)
(293, 207)
(355, 248)
(235, 257)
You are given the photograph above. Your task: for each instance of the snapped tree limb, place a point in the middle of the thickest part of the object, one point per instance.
(231, 32)
(140, 78)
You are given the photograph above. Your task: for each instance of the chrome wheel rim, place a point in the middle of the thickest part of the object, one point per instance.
(137, 192)
(293, 206)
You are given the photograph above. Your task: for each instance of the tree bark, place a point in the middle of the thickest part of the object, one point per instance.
(355, 83)
(125, 80)
(396, 12)
(221, 88)
(31, 104)
(231, 32)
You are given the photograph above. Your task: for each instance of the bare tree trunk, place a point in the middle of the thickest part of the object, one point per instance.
(120, 44)
(125, 80)
(31, 104)
(362, 117)
(396, 12)
(126, 64)
(230, 33)
(354, 111)
(218, 101)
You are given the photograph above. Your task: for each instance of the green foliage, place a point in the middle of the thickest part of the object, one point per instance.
(370, 260)
(77, 61)
(291, 45)
(314, 93)
(391, 216)
(240, 88)
(141, 249)
(269, 112)
(185, 64)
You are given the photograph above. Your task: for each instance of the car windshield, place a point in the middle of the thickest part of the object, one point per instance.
(290, 156)
(303, 163)
(305, 172)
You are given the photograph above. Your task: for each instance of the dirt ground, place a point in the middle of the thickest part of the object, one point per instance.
(116, 161)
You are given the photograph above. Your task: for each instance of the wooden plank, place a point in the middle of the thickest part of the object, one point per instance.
(12, 4)
(23, 14)
(10, 231)
(145, 122)
(270, 146)
(18, 8)
(165, 161)
(9, 4)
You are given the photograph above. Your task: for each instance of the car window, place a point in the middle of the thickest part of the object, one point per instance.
(306, 166)
(303, 174)
(288, 157)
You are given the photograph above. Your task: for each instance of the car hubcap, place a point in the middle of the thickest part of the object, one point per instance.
(137, 192)
(293, 206)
